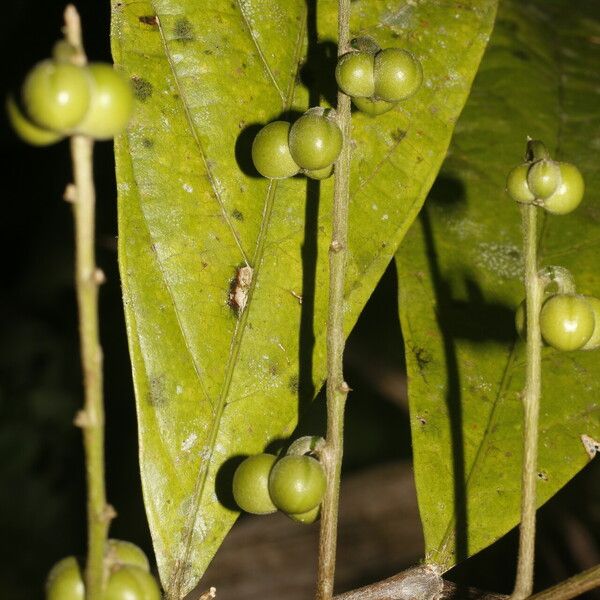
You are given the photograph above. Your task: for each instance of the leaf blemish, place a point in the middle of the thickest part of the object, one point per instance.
(183, 30)
(294, 384)
(237, 215)
(149, 20)
(142, 89)
(147, 143)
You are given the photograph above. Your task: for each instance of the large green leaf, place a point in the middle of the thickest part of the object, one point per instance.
(460, 272)
(212, 385)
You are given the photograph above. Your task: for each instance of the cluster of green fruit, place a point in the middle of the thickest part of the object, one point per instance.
(128, 570)
(377, 79)
(61, 98)
(555, 186)
(294, 484)
(311, 145)
(567, 322)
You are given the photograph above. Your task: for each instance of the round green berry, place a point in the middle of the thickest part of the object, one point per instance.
(121, 552)
(594, 341)
(320, 174)
(517, 186)
(271, 151)
(543, 178)
(29, 132)
(354, 74)
(131, 583)
(111, 103)
(251, 484)
(315, 141)
(307, 517)
(297, 484)
(65, 582)
(372, 106)
(569, 193)
(56, 95)
(566, 322)
(398, 74)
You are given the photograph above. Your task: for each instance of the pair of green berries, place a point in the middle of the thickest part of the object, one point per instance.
(61, 99)
(556, 186)
(311, 145)
(294, 484)
(378, 79)
(129, 576)
(567, 322)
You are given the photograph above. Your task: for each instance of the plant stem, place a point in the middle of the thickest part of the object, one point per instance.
(87, 279)
(572, 587)
(337, 388)
(534, 290)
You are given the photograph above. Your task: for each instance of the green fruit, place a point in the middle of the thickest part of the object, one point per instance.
(131, 583)
(373, 107)
(517, 186)
(569, 193)
(315, 141)
(308, 517)
(251, 484)
(65, 582)
(271, 151)
(111, 103)
(297, 484)
(354, 74)
(120, 552)
(56, 95)
(398, 74)
(594, 341)
(543, 178)
(320, 174)
(567, 322)
(28, 131)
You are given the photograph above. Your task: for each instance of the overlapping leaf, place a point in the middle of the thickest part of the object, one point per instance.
(212, 384)
(460, 272)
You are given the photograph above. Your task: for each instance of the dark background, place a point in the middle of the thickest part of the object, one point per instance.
(42, 495)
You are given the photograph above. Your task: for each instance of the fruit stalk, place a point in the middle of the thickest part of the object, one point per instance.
(87, 279)
(534, 291)
(337, 388)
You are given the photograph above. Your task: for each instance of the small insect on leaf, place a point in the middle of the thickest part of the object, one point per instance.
(238, 295)
(592, 447)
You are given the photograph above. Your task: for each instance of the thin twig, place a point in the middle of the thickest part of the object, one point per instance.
(337, 388)
(531, 395)
(87, 280)
(572, 587)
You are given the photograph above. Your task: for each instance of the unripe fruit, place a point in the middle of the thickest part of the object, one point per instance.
(308, 517)
(398, 74)
(594, 341)
(354, 74)
(315, 141)
(569, 193)
(567, 322)
(543, 178)
(251, 484)
(131, 583)
(29, 132)
(271, 152)
(320, 173)
(121, 552)
(56, 95)
(517, 186)
(111, 103)
(297, 484)
(65, 582)
(373, 107)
